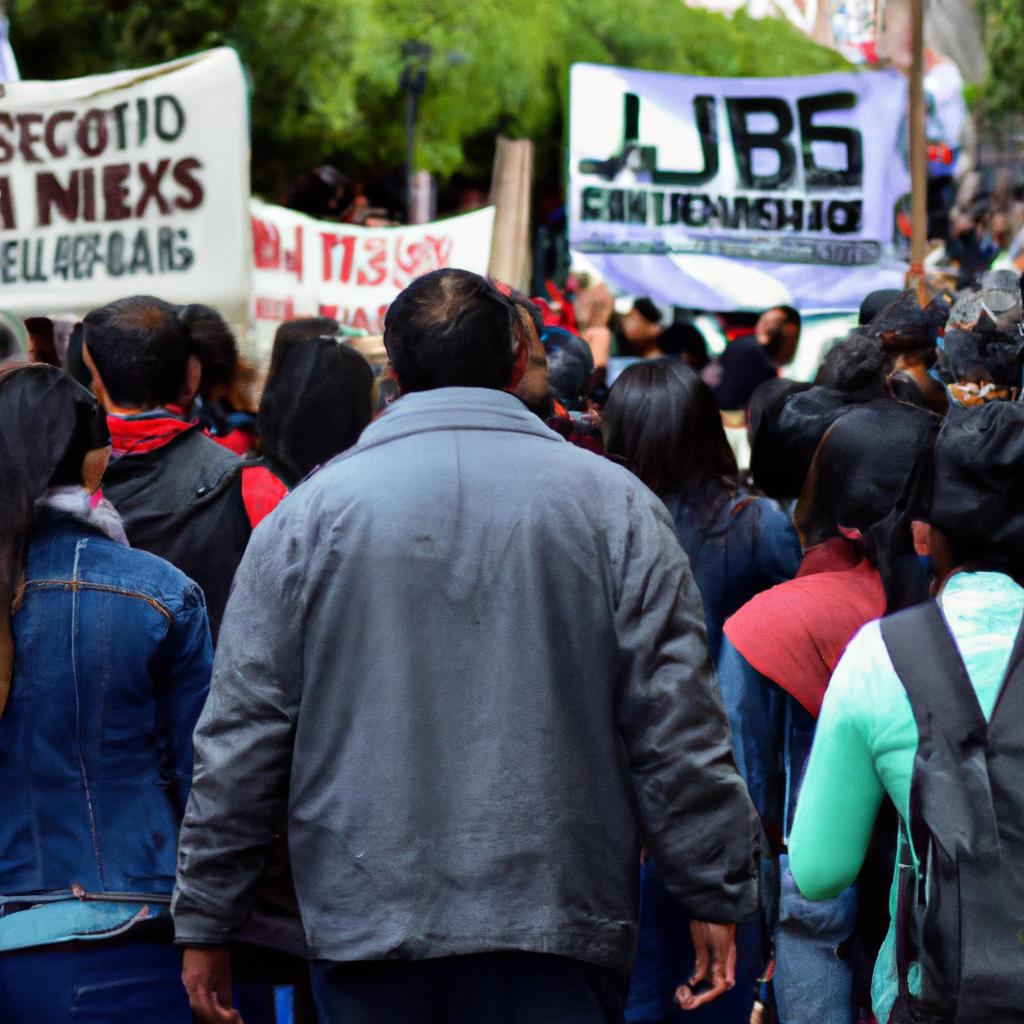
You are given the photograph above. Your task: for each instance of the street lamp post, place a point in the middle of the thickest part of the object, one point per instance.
(413, 82)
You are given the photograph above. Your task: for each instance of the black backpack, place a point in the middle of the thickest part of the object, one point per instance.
(962, 920)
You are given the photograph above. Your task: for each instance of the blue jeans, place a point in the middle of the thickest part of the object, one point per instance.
(813, 980)
(483, 988)
(100, 982)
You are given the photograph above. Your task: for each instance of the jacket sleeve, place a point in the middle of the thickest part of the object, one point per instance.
(183, 680)
(243, 744)
(698, 818)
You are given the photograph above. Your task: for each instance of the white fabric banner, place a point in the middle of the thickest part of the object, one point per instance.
(723, 193)
(127, 183)
(308, 267)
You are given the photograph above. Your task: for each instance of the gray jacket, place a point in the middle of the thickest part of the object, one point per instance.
(466, 662)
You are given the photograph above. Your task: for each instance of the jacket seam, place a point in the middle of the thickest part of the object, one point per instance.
(78, 715)
(76, 585)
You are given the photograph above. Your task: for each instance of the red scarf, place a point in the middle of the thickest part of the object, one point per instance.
(138, 436)
(796, 632)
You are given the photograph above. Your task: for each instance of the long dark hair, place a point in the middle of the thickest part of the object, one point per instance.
(664, 421)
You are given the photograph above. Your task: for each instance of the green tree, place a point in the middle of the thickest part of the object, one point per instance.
(325, 73)
(1002, 95)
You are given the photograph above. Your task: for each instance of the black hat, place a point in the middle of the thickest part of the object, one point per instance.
(902, 325)
(570, 365)
(648, 310)
(874, 303)
(977, 497)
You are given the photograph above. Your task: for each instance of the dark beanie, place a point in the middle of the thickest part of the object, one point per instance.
(977, 497)
(648, 310)
(874, 303)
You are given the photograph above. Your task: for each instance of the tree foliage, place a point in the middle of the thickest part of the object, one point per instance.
(1002, 95)
(325, 73)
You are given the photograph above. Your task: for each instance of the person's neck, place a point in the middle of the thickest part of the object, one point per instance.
(125, 410)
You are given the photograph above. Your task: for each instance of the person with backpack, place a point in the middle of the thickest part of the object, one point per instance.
(927, 706)
(181, 495)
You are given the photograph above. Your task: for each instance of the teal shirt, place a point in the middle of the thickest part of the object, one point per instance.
(866, 740)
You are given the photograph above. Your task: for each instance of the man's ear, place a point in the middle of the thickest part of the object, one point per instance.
(193, 378)
(98, 388)
(922, 538)
(94, 465)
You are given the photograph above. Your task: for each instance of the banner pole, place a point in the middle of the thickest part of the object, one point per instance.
(918, 156)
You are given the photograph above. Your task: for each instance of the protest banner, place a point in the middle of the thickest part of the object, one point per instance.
(126, 183)
(721, 193)
(308, 267)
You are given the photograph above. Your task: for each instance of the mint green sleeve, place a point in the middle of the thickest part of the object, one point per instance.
(841, 791)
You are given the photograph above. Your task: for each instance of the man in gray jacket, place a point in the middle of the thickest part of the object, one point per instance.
(465, 664)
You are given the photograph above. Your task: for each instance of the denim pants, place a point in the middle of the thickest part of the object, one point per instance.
(96, 982)
(484, 988)
(813, 969)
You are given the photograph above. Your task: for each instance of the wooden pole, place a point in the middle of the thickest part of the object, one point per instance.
(918, 155)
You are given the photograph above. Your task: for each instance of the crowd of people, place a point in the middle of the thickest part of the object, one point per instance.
(480, 685)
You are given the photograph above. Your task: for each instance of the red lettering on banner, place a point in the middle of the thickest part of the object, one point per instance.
(274, 309)
(268, 252)
(371, 260)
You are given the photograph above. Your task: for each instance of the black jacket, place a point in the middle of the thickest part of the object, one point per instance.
(183, 502)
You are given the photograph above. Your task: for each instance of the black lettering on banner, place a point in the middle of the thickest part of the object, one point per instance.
(790, 214)
(115, 254)
(143, 108)
(818, 177)
(844, 217)
(746, 142)
(764, 214)
(636, 207)
(85, 255)
(707, 128)
(142, 258)
(592, 203)
(122, 136)
(169, 118)
(174, 257)
(695, 211)
(9, 262)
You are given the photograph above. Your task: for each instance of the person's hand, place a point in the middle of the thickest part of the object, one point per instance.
(206, 973)
(715, 946)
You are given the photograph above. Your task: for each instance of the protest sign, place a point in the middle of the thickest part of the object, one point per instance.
(308, 267)
(132, 182)
(723, 193)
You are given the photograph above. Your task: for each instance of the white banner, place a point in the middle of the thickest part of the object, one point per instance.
(308, 267)
(722, 193)
(127, 183)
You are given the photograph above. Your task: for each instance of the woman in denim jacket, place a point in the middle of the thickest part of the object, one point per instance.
(104, 667)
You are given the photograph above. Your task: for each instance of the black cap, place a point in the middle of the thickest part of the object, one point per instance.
(977, 497)
(648, 310)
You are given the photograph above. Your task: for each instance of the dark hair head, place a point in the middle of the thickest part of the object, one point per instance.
(317, 400)
(875, 302)
(663, 419)
(8, 341)
(789, 315)
(50, 423)
(140, 349)
(570, 365)
(211, 339)
(861, 468)
(685, 340)
(648, 310)
(451, 328)
(788, 435)
(977, 491)
(856, 366)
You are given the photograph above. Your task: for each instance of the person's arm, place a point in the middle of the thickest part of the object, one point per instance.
(841, 791)
(243, 747)
(182, 673)
(757, 715)
(699, 822)
(777, 551)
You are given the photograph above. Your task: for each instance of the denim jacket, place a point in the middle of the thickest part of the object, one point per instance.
(112, 666)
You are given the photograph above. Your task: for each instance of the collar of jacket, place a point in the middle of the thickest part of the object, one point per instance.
(454, 409)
